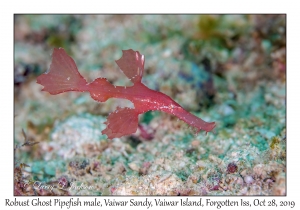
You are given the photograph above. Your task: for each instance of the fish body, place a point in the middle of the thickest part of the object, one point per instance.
(63, 76)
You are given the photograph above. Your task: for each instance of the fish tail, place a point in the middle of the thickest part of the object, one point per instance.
(63, 75)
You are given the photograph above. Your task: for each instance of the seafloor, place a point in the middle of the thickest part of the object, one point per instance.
(230, 69)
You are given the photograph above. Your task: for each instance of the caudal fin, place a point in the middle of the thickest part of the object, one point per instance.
(63, 75)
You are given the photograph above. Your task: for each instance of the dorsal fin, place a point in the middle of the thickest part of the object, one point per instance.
(132, 65)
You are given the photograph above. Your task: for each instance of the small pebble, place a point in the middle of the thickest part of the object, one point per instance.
(248, 179)
(133, 166)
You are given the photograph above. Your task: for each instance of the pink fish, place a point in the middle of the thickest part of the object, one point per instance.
(63, 76)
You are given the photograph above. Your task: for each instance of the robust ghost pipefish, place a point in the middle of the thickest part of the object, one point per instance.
(63, 76)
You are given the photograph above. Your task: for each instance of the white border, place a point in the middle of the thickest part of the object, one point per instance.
(154, 6)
